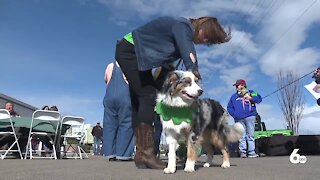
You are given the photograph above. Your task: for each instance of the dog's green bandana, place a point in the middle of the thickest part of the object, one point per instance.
(176, 114)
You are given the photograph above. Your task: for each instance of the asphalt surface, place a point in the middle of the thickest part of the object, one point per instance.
(96, 168)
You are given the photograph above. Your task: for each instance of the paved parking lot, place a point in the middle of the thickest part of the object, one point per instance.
(96, 167)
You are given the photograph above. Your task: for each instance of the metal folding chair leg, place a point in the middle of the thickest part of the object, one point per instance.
(7, 129)
(84, 152)
(9, 150)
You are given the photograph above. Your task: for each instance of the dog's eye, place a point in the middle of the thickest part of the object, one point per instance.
(187, 81)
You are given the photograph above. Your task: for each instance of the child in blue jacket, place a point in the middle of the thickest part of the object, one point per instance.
(242, 107)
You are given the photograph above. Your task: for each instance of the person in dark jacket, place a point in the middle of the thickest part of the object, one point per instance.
(242, 107)
(54, 108)
(155, 44)
(10, 107)
(316, 77)
(97, 133)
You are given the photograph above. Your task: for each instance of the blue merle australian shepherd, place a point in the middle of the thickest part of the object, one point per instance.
(199, 121)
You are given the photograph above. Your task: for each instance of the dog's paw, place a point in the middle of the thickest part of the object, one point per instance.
(189, 169)
(169, 170)
(206, 165)
(225, 164)
(189, 166)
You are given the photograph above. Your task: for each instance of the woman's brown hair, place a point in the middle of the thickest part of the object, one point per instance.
(212, 30)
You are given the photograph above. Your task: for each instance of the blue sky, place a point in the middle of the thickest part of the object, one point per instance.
(56, 52)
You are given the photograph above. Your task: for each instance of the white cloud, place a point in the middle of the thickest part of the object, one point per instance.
(282, 25)
(118, 22)
(299, 61)
(228, 78)
(128, 9)
(310, 123)
(280, 42)
(241, 48)
(284, 32)
(310, 126)
(218, 63)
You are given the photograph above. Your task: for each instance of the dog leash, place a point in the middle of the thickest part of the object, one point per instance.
(287, 85)
(178, 64)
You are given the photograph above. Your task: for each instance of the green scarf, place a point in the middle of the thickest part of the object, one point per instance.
(176, 114)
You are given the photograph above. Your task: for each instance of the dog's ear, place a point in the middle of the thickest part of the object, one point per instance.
(162, 75)
(170, 82)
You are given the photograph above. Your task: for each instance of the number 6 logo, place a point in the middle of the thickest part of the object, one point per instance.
(296, 158)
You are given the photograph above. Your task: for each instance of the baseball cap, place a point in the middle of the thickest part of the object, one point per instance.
(240, 82)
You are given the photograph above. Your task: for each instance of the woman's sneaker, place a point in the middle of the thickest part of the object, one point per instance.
(242, 155)
(253, 155)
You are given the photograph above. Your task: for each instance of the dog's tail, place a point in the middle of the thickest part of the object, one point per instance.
(234, 132)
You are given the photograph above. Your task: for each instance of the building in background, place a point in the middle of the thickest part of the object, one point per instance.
(89, 137)
(20, 107)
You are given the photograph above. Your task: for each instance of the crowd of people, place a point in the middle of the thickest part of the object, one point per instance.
(6, 140)
(10, 107)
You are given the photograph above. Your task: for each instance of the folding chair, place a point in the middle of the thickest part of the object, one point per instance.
(7, 130)
(50, 120)
(74, 136)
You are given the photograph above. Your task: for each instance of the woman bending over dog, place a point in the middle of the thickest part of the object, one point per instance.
(161, 41)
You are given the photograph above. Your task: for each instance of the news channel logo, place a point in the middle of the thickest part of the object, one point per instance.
(296, 158)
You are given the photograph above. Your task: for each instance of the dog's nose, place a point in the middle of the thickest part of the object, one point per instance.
(200, 91)
(194, 138)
